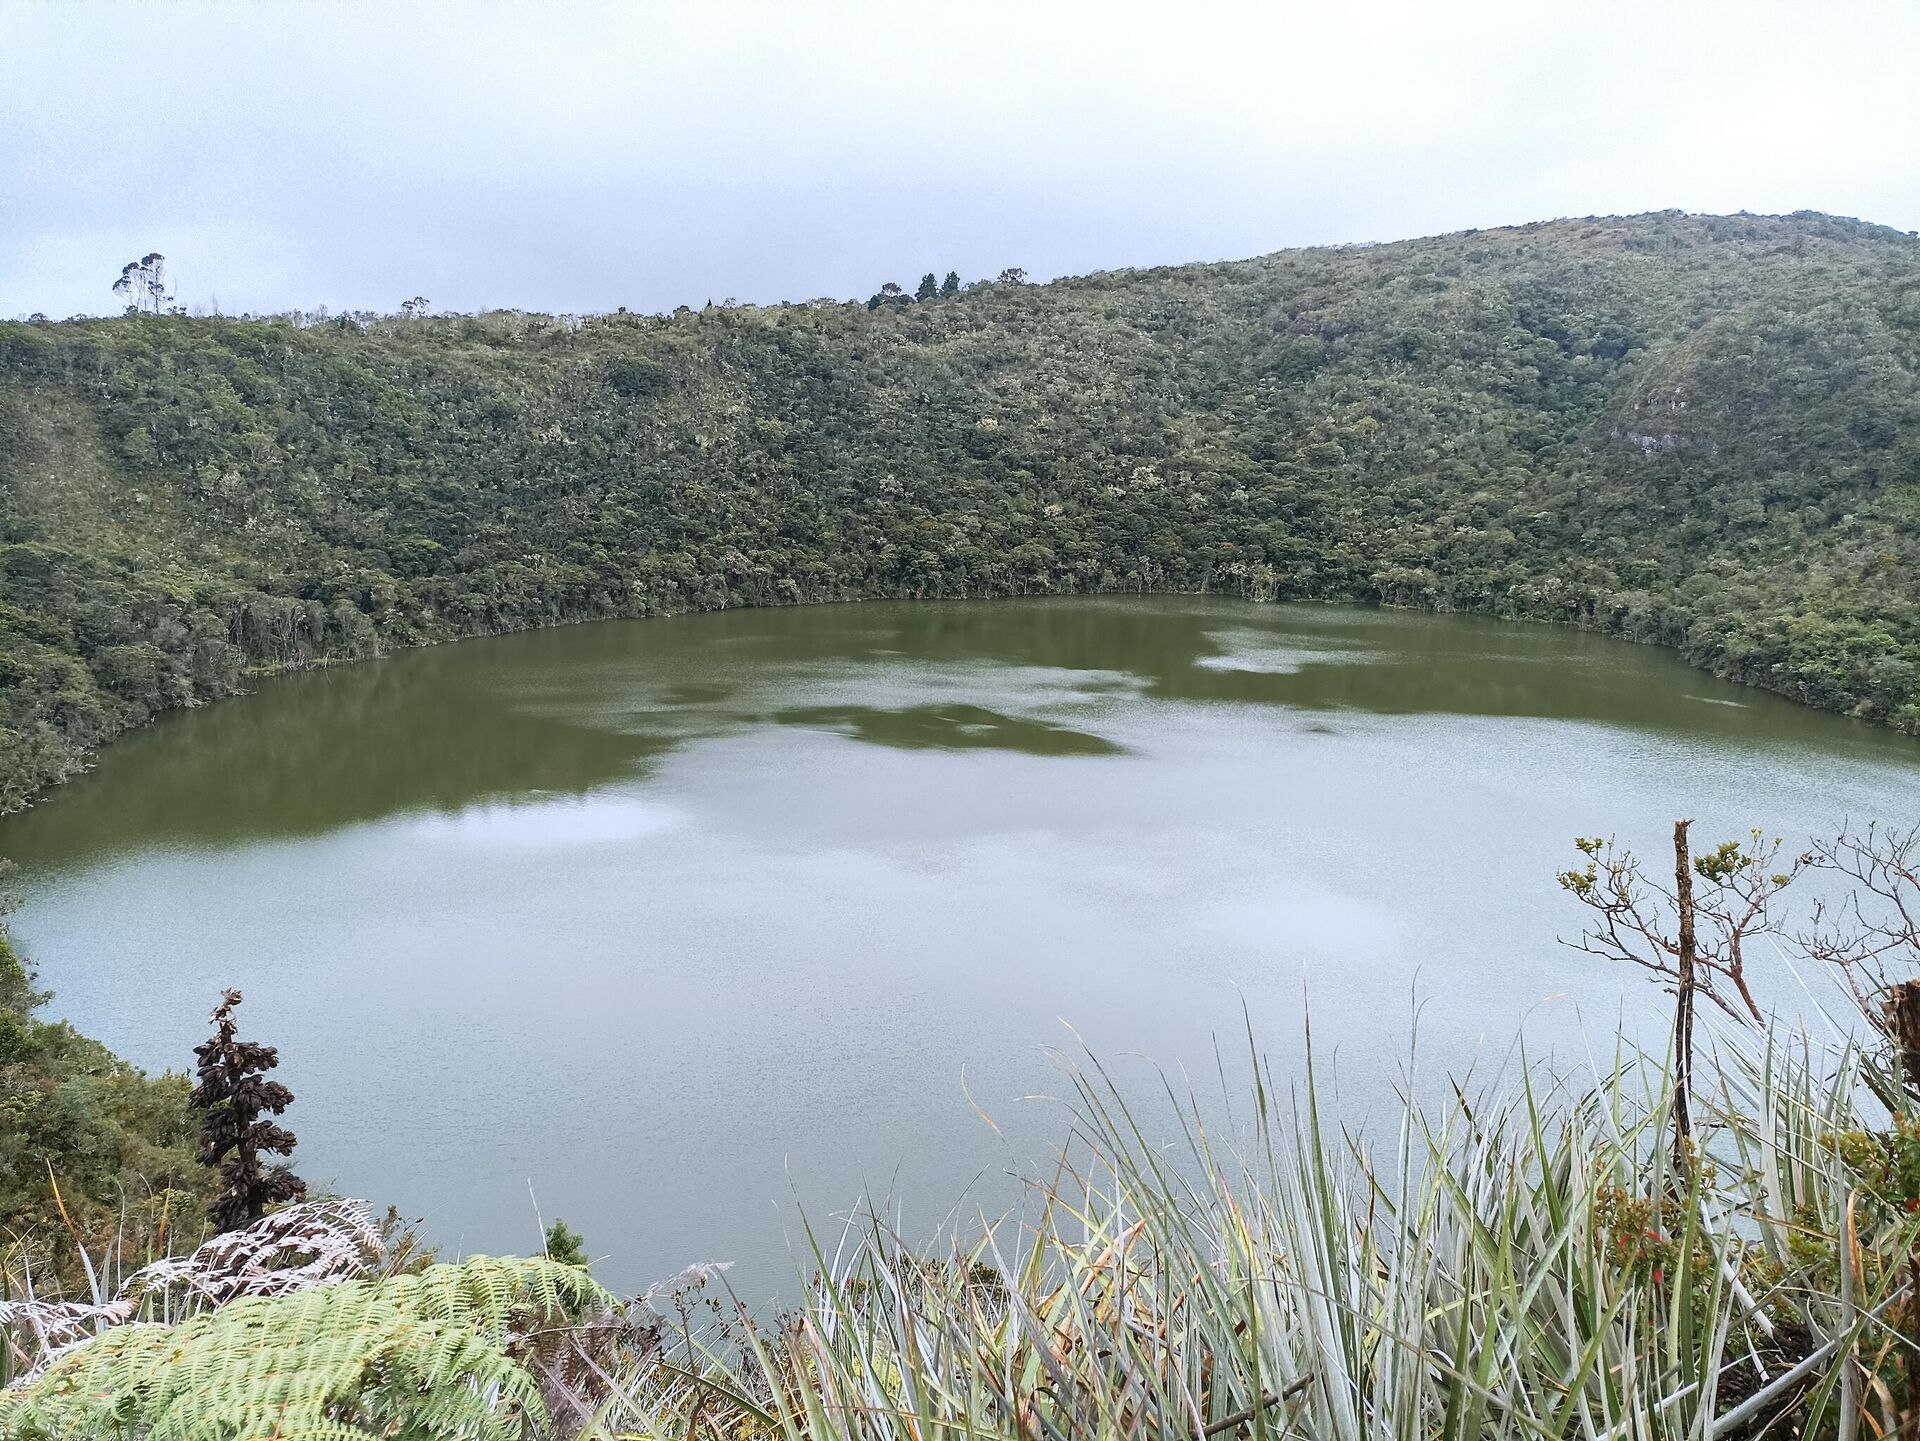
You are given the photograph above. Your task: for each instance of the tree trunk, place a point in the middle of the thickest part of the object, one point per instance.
(1683, 1000)
(1903, 1028)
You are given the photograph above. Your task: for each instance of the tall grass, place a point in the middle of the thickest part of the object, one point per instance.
(1526, 1265)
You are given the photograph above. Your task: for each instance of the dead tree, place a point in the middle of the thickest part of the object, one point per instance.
(233, 1096)
(1871, 936)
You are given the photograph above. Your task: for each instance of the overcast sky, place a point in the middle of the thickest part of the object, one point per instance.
(572, 156)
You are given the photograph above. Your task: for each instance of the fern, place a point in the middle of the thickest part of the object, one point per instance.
(312, 1244)
(440, 1353)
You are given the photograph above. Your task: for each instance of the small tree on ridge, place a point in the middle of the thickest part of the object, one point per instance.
(143, 284)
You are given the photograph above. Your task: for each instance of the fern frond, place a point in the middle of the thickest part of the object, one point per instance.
(313, 1244)
(434, 1353)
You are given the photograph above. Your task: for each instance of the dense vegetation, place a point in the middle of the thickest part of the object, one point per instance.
(1700, 431)
(443, 1351)
(90, 1148)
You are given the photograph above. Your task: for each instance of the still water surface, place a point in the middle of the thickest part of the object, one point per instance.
(676, 924)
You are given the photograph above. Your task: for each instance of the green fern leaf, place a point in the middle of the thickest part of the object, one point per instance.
(428, 1354)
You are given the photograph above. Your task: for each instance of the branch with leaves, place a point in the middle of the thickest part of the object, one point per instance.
(1692, 935)
(1648, 923)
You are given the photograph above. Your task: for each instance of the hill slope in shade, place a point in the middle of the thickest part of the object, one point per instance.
(1696, 430)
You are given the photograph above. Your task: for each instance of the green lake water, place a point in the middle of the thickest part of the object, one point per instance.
(676, 927)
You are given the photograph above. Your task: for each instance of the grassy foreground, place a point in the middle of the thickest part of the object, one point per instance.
(1527, 1266)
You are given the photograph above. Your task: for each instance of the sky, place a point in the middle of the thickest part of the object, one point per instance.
(581, 157)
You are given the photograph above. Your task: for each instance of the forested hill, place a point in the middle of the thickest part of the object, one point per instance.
(1703, 431)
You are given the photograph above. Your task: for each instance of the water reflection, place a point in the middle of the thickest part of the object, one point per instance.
(950, 727)
(311, 754)
(569, 712)
(541, 823)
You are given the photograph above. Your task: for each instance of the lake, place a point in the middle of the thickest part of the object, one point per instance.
(671, 927)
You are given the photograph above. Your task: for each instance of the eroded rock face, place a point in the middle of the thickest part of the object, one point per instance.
(1814, 385)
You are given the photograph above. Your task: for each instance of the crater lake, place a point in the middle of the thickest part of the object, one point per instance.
(677, 928)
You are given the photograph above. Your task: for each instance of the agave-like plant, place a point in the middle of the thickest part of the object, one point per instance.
(1531, 1266)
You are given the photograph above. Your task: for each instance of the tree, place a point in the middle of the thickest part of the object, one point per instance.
(1878, 920)
(890, 294)
(1690, 938)
(233, 1098)
(929, 287)
(143, 284)
(951, 285)
(1013, 275)
(1872, 934)
(415, 308)
(565, 1245)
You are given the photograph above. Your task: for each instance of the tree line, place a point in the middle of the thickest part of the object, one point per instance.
(892, 293)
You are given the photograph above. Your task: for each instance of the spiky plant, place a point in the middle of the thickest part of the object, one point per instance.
(1528, 1267)
(233, 1099)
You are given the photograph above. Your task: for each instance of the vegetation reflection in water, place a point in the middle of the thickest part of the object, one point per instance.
(566, 712)
(950, 727)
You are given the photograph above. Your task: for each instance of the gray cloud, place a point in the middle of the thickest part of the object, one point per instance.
(585, 156)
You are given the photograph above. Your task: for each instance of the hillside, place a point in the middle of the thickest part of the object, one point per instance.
(1699, 431)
